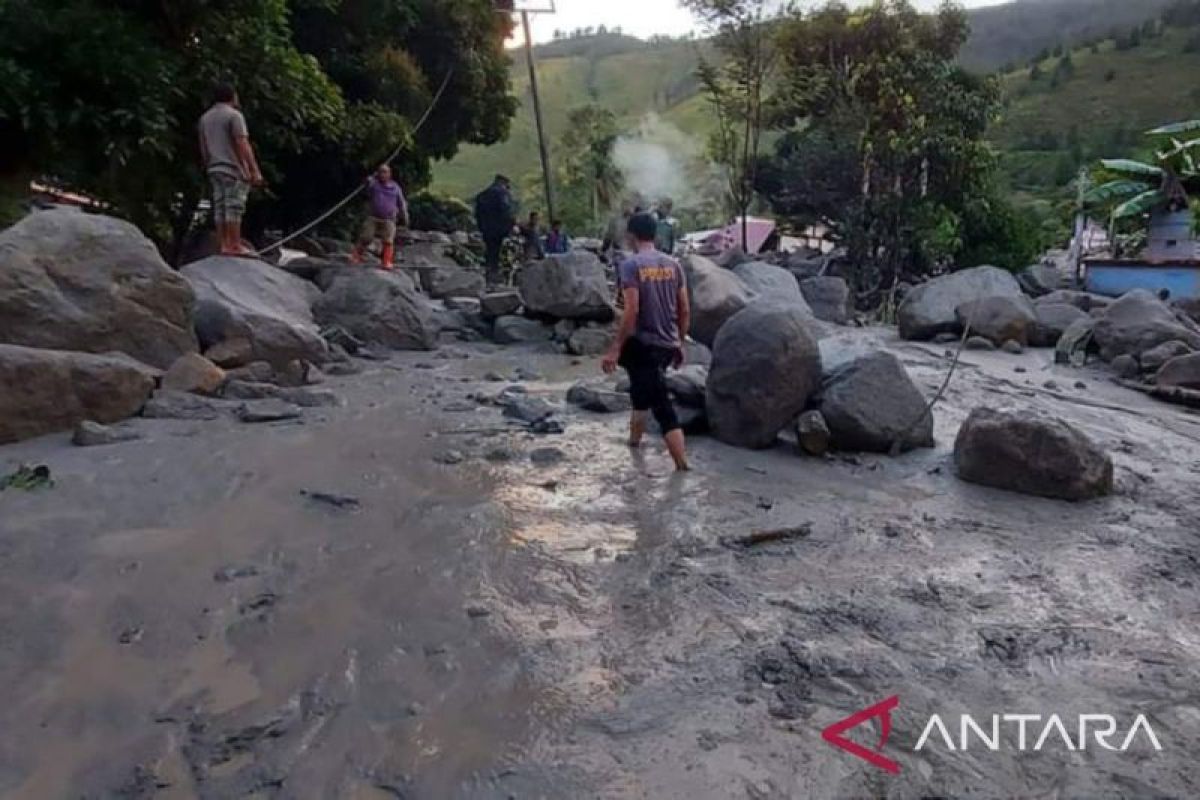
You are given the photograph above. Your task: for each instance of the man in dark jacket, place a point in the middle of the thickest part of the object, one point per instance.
(495, 214)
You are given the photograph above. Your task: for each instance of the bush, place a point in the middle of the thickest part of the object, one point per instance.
(433, 212)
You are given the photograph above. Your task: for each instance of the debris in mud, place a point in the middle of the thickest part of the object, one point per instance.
(338, 501)
(268, 411)
(547, 456)
(548, 427)
(450, 458)
(27, 478)
(93, 434)
(777, 536)
(131, 635)
(477, 612)
(259, 604)
(232, 573)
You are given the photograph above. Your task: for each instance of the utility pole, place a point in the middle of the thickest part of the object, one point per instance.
(543, 145)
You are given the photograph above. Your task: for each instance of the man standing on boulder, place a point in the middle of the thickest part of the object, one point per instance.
(496, 215)
(232, 169)
(656, 319)
(385, 206)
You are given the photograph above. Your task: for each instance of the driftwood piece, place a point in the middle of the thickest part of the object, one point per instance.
(777, 535)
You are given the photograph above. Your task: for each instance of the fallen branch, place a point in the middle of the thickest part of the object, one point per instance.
(898, 442)
(1170, 394)
(768, 537)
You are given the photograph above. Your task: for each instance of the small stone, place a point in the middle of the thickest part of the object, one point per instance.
(812, 433)
(979, 343)
(450, 458)
(342, 369)
(93, 434)
(1126, 366)
(1051, 385)
(193, 373)
(527, 374)
(548, 427)
(231, 353)
(547, 456)
(259, 411)
(501, 455)
(1013, 347)
(476, 612)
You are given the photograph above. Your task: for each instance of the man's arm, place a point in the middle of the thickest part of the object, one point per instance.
(628, 326)
(685, 314)
(249, 163)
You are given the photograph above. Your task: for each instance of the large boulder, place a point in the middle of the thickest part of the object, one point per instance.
(1156, 358)
(829, 298)
(766, 367)
(1031, 454)
(930, 309)
(769, 282)
(716, 295)
(688, 385)
(76, 281)
(241, 298)
(871, 404)
(54, 390)
(1040, 279)
(520, 330)
(1139, 321)
(999, 319)
(1084, 301)
(589, 341)
(451, 281)
(1053, 320)
(381, 308)
(1180, 373)
(571, 286)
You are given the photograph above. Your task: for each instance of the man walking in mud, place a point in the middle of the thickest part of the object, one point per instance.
(495, 215)
(230, 164)
(386, 209)
(655, 321)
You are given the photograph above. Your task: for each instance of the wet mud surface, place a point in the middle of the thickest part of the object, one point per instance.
(393, 599)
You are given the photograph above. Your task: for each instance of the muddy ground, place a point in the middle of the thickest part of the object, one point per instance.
(180, 619)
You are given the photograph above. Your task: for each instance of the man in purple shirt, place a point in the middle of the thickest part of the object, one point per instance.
(385, 205)
(656, 319)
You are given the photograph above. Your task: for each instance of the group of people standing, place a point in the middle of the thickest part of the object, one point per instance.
(654, 296)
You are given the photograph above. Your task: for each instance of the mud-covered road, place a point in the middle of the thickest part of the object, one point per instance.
(391, 599)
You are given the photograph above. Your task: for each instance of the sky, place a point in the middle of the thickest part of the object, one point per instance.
(641, 18)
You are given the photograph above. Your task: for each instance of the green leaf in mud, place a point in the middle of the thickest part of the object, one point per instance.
(27, 478)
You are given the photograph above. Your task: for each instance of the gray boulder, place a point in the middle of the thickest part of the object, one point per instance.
(829, 298)
(766, 367)
(696, 353)
(1084, 301)
(166, 404)
(589, 341)
(716, 295)
(85, 282)
(1040, 279)
(1180, 373)
(502, 303)
(1053, 319)
(452, 281)
(1076, 342)
(688, 385)
(1031, 454)
(571, 286)
(598, 399)
(1126, 366)
(871, 403)
(1138, 322)
(930, 309)
(382, 308)
(54, 390)
(93, 434)
(999, 319)
(519, 330)
(769, 282)
(1156, 357)
(241, 298)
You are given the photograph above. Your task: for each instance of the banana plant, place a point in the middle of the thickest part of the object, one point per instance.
(1129, 189)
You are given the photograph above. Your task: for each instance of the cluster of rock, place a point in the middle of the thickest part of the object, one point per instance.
(1140, 335)
(96, 327)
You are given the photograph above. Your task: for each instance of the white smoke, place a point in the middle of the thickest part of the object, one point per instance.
(661, 161)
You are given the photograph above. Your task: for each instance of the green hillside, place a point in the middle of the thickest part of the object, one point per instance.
(1095, 104)
(651, 79)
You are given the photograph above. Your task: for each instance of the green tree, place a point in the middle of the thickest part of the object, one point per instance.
(589, 179)
(737, 88)
(879, 98)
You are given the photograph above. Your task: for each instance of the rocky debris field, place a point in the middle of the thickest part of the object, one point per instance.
(313, 529)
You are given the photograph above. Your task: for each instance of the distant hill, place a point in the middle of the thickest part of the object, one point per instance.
(1013, 33)
(1095, 102)
(634, 78)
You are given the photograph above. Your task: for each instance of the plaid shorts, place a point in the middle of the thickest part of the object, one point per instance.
(228, 197)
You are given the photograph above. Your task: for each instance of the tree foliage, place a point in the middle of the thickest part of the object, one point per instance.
(104, 96)
(589, 181)
(885, 142)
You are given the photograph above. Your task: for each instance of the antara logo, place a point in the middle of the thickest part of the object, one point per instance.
(1027, 732)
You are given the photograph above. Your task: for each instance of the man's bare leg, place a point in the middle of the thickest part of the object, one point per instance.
(637, 427)
(677, 447)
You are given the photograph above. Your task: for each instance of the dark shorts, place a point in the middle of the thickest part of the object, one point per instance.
(647, 367)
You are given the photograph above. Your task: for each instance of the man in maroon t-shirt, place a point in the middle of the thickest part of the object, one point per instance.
(656, 320)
